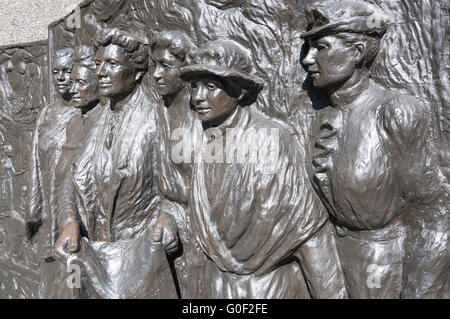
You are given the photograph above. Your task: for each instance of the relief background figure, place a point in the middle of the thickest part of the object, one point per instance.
(180, 132)
(84, 90)
(20, 102)
(48, 140)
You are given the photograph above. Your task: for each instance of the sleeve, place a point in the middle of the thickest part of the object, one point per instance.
(66, 207)
(406, 136)
(407, 127)
(321, 265)
(35, 200)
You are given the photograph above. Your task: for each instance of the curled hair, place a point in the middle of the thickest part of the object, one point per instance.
(84, 56)
(137, 50)
(372, 43)
(176, 42)
(66, 52)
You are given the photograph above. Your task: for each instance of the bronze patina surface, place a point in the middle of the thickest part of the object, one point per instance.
(228, 149)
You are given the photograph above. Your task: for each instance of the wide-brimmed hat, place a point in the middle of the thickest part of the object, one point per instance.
(225, 59)
(345, 16)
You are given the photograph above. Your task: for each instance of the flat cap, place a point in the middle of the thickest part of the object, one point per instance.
(345, 16)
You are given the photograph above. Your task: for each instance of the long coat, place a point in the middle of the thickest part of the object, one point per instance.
(180, 133)
(49, 138)
(253, 216)
(114, 177)
(114, 194)
(47, 170)
(372, 167)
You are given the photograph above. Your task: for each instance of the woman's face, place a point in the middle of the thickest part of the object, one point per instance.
(116, 73)
(214, 99)
(84, 87)
(330, 61)
(62, 67)
(166, 72)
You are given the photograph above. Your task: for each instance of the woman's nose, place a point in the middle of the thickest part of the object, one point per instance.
(101, 70)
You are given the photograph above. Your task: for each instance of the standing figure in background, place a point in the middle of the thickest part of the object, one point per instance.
(8, 173)
(371, 163)
(18, 82)
(180, 133)
(49, 137)
(84, 90)
(253, 211)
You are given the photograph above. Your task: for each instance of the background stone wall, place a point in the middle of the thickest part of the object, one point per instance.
(27, 20)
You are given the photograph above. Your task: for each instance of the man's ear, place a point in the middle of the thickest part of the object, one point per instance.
(360, 51)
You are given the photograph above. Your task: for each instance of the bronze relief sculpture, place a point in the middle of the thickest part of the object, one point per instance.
(177, 153)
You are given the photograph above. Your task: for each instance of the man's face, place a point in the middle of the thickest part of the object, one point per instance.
(214, 99)
(105, 9)
(330, 61)
(62, 68)
(115, 71)
(166, 72)
(84, 87)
